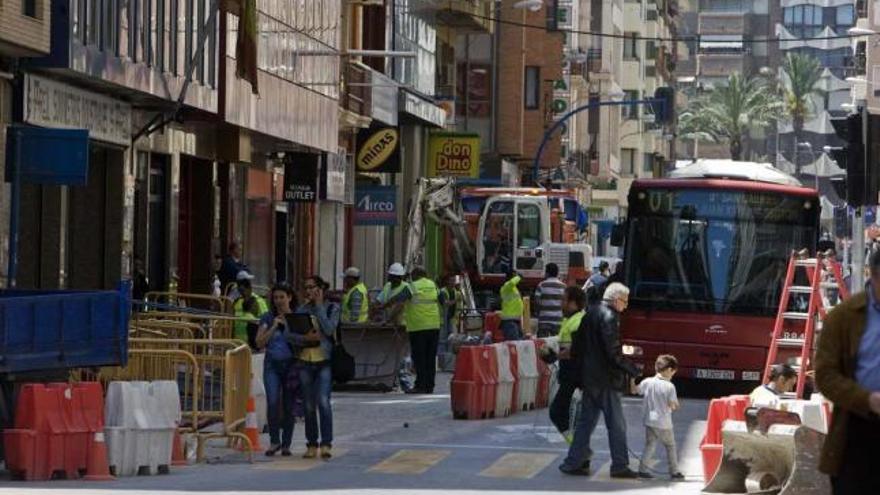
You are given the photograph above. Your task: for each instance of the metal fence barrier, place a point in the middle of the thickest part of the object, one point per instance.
(213, 377)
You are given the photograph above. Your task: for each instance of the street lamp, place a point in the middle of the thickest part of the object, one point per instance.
(809, 147)
(532, 5)
(859, 31)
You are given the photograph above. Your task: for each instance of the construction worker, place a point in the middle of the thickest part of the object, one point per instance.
(249, 306)
(451, 301)
(388, 297)
(355, 301)
(783, 378)
(511, 307)
(574, 300)
(421, 315)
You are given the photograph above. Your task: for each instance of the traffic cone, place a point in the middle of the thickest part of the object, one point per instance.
(250, 426)
(98, 468)
(178, 450)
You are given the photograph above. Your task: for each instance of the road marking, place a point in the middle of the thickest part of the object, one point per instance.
(518, 465)
(297, 463)
(410, 461)
(453, 446)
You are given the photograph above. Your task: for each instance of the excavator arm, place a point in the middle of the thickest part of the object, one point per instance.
(436, 199)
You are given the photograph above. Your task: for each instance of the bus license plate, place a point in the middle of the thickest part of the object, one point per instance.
(714, 374)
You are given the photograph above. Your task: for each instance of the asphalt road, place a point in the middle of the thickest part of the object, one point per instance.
(401, 444)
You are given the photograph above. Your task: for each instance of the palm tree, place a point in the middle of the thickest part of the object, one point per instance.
(727, 113)
(802, 76)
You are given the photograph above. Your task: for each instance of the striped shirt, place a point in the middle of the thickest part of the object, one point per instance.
(549, 299)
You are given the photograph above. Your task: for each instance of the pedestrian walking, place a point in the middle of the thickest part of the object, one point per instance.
(421, 315)
(568, 375)
(273, 336)
(600, 278)
(250, 307)
(659, 402)
(783, 378)
(355, 301)
(548, 302)
(848, 374)
(232, 265)
(605, 373)
(315, 372)
(391, 304)
(511, 307)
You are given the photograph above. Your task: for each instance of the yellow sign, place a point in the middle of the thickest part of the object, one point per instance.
(377, 152)
(454, 155)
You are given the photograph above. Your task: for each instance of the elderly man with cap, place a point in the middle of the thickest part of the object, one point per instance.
(355, 301)
(388, 298)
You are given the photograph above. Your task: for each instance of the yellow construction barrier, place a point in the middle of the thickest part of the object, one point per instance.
(215, 326)
(149, 328)
(202, 301)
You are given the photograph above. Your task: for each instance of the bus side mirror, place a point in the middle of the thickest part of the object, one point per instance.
(618, 235)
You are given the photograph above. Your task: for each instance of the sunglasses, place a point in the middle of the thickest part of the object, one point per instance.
(310, 287)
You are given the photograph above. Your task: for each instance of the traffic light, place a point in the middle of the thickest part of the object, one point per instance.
(851, 157)
(663, 105)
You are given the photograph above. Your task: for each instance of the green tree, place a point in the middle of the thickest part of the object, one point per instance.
(728, 112)
(801, 82)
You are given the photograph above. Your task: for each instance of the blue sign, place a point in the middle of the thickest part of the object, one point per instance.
(47, 156)
(375, 205)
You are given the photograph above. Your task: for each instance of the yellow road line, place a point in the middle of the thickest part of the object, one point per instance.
(519, 465)
(297, 463)
(410, 461)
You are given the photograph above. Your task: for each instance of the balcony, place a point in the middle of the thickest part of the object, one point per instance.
(356, 97)
(722, 23)
(720, 64)
(466, 15)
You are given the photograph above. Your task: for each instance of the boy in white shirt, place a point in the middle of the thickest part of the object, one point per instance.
(659, 401)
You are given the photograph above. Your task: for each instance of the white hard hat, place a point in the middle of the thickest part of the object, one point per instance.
(396, 269)
(353, 272)
(244, 275)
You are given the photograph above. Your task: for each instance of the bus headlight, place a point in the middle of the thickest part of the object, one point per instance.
(633, 350)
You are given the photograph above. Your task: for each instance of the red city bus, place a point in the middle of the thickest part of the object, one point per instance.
(706, 253)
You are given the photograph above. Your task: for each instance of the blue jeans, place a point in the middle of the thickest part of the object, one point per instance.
(279, 402)
(511, 330)
(317, 381)
(606, 401)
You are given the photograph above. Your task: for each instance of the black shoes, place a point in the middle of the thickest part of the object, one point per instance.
(676, 477)
(645, 476)
(581, 471)
(625, 474)
(273, 449)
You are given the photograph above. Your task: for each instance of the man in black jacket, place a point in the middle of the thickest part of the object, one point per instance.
(605, 374)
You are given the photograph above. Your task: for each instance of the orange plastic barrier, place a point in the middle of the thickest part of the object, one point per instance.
(492, 324)
(514, 368)
(543, 397)
(474, 383)
(54, 427)
(720, 410)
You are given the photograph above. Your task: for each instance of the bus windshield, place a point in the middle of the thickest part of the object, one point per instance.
(714, 251)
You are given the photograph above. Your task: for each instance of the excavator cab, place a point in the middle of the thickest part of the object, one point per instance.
(514, 232)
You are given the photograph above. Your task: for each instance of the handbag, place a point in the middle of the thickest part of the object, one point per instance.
(342, 365)
(341, 362)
